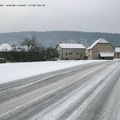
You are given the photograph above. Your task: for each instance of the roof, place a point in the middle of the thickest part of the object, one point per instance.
(20, 48)
(5, 47)
(107, 54)
(117, 49)
(65, 45)
(101, 40)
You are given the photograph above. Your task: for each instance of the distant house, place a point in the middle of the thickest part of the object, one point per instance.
(117, 52)
(21, 48)
(5, 47)
(2, 60)
(71, 51)
(100, 49)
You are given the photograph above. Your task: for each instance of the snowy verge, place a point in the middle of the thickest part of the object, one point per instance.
(15, 71)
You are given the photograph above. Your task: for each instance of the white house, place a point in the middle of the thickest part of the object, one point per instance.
(71, 51)
(117, 52)
(5, 47)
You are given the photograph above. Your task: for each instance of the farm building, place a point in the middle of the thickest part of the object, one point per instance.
(71, 51)
(5, 47)
(100, 49)
(117, 52)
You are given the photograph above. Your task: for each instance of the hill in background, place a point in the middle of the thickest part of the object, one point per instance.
(52, 38)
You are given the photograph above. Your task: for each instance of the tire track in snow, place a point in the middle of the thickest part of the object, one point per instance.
(19, 88)
(61, 114)
(89, 89)
(44, 103)
(110, 110)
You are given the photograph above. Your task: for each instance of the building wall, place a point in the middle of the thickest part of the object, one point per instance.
(94, 53)
(89, 54)
(117, 54)
(71, 54)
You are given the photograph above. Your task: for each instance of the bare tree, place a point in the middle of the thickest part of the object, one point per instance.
(32, 44)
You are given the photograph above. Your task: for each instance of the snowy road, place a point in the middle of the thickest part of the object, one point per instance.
(85, 92)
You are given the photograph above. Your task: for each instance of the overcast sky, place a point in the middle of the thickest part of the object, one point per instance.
(81, 15)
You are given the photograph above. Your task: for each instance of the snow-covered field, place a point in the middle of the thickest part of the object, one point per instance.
(15, 71)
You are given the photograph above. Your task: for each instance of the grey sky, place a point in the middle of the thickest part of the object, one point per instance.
(82, 15)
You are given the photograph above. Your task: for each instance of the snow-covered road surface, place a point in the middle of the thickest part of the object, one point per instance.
(85, 92)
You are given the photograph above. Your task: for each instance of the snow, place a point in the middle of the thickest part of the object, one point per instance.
(107, 54)
(5, 47)
(101, 40)
(86, 104)
(91, 89)
(79, 93)
(90, 94)
(21, 48)
(15, 71)
(117, 49)
(64, 45)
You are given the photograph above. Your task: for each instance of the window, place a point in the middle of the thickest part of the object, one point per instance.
(118, 55)
(80, 55)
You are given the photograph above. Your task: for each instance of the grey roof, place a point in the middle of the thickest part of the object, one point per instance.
(101, 40)
(66, 45)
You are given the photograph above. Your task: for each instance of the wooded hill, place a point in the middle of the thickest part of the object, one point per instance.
(51, 38)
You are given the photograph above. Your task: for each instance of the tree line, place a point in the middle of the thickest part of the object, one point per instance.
(33, 51)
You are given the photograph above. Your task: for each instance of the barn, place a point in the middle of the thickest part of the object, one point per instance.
(100, 49)
(117, 52)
